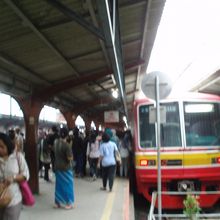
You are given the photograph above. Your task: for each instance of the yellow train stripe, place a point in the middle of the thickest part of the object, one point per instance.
(189, 159)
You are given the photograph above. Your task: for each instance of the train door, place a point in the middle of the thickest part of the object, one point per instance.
(171, 145)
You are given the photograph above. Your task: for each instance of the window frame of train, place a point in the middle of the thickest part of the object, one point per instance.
(205, 117)
(202, 123)
(147, 130)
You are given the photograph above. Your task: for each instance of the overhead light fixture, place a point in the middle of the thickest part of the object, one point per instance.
(115, 93)
(125, 121)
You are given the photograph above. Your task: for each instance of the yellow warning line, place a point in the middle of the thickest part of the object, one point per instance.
(109, 203)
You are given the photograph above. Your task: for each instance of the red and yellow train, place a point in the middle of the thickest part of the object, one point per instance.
(190, 148)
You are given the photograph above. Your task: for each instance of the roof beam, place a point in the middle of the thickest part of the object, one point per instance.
(50, 91)
(93, 103)
(110, 24)
(5, 59)
(202, 85)
(47, 92)
(27, 21)
(76, 17)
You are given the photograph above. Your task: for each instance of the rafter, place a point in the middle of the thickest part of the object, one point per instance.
(76, 17)
(50, 91)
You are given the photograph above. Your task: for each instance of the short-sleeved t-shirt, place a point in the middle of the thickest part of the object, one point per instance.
(62, 151)
(107, 150)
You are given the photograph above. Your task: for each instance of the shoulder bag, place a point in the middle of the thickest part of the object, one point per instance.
(5, 195)
(117, 157)
(27, 196)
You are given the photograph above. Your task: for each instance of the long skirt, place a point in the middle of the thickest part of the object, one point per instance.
(64, 193)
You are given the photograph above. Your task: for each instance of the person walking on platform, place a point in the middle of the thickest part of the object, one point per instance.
(13, 169)
(64, 193)
(78, 152)
(108, 162)
(93, 154)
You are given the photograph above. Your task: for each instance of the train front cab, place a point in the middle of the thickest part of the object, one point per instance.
(190, 150)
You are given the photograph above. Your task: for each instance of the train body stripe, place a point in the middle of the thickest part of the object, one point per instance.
(188, 159)
(176, 167)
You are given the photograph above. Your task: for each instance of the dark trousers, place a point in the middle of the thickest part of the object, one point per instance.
(79, 164)
(93, 162)
(108, 174)
(46, 169)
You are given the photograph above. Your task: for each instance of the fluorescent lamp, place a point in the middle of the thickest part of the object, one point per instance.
(115, 93)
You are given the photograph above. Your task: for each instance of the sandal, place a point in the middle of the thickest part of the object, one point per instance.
(68, 207)
(56, 206)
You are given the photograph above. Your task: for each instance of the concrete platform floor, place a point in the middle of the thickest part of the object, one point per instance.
(90, 202)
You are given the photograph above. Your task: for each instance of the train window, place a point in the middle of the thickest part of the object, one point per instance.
(147, 130)
(170, 131)
(202, 124)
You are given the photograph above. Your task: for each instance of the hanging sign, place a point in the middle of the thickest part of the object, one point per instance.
(111, 116)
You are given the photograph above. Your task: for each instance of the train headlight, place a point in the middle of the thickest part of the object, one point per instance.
(145, 162)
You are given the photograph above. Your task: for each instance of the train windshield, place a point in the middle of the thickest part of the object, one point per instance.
(202, 123)
(170, 130)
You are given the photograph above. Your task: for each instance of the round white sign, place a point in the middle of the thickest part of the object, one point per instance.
(148, 85)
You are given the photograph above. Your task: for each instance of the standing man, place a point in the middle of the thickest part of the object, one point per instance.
(52, 137)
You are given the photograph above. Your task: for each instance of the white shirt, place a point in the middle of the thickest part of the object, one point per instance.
(20, 142)
(93, 149)
(123, 150)
(10, 168)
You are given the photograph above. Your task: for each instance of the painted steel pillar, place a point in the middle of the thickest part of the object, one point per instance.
(70, 119)
(31, 110)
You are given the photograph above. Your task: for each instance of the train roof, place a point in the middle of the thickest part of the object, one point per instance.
(188, 96)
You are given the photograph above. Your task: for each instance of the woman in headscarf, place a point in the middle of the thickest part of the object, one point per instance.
(108, 161)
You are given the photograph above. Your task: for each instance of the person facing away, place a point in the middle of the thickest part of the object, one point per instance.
(51, 139)
(13, 170)
(11, 134)
(124, 152)
(19, 140)
(107, 157)
(78, 152)
(44, 156)
(64, 193)
(93, 154)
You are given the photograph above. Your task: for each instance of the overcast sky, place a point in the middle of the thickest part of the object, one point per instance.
(187, 46)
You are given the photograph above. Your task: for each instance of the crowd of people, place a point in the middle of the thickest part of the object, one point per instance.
(67, 154)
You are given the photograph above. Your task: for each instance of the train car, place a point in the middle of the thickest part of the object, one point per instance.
(190, 148)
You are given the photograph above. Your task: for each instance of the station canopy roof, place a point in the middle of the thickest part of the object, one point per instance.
(71, 54)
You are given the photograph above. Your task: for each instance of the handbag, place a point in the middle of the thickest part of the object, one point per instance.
(117, 157)
(5, 196)
(27, 196)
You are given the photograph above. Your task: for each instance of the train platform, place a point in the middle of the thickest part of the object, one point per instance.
(90, 202)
